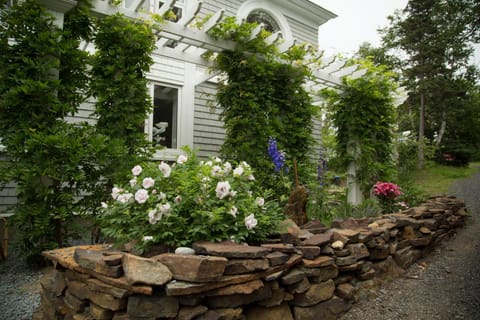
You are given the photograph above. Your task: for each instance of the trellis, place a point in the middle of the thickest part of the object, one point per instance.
(191, 43)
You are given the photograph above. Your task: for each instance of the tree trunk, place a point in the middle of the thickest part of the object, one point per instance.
(443, 127)
(421, 134)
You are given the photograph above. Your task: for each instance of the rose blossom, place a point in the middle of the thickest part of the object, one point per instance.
(223, 189)
(136, 170)
(148, 183)
(250, 222)
(104, 205)
(238, 171)
(165, 208)
(178, 199)
(233, 211)
(124, 197)
(133, 182)
(216, 171)
(141, 196)
(116, 192)
(260, 201)
(165, 169)
(182, 159)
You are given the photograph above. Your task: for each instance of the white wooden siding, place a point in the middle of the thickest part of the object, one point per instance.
(303, 32)
(84, 113)
(208, 130)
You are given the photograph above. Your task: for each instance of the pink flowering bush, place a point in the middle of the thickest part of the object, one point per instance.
(187, 201)
(387, 194)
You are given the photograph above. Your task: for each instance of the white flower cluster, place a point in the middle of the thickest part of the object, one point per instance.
(217, 181)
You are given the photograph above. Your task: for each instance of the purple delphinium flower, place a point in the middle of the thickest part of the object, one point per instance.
(278, 157)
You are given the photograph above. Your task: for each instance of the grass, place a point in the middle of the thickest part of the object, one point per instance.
(436, 178)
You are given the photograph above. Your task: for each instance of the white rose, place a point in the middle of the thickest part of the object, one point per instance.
(136, 170)
(238, 171)
(116, 192)
(250, 222)
(182, 159)
(141, 196)
(148, 183)
(124, 197)
(216, 171)
(133, 182)
(260, 201)
(233, 211)
(165, 169)
(222, 189)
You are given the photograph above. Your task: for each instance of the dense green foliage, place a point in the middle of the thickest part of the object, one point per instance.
(363, 115)
(61, 168)
(264, 96)
(49, 159)
(435, 39)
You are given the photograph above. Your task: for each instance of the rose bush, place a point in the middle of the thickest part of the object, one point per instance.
(387, 194)
(187, 201)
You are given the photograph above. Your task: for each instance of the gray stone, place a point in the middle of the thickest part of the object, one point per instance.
(185, 251)
(230, 250)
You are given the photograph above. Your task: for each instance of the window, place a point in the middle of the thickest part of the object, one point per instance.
(268, 13)
(162, 124)
(260, 16)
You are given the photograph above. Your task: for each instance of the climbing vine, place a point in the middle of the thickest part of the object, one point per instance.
(264, 97)
(60, 168)
(363, 114)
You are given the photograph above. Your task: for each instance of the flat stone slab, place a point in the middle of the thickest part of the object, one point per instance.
(230, 250)
(64, 257)
(193, 268)
(145, 271)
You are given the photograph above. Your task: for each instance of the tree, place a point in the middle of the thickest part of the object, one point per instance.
(433, 37)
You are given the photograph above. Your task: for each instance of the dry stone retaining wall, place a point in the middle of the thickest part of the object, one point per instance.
(310, 273)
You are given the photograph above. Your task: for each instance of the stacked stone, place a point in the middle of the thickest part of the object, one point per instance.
(310, 273)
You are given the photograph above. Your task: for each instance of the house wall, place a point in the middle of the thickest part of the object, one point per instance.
(208, 131)
(8, 196)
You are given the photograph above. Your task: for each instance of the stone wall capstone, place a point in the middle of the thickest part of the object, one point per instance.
(309, 273)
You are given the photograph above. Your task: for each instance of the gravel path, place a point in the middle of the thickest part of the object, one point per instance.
(443, 286)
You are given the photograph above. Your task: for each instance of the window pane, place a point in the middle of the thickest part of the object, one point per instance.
(165, 104)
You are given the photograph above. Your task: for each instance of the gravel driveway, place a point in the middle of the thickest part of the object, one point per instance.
(444, 286)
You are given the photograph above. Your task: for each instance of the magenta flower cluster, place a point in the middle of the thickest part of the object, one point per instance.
(386, 190)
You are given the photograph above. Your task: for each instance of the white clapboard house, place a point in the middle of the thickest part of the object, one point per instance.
(181, 86)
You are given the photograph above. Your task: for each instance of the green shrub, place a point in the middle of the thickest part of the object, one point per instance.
(189, 201)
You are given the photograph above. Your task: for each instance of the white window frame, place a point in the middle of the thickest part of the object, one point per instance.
(269, 7)
(185, 115)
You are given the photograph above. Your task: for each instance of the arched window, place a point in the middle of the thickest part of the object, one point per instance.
(263, 17)
(266, 12)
